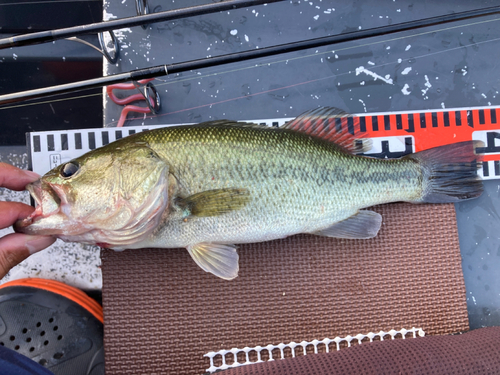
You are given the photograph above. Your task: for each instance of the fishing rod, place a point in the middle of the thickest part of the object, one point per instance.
(99, 27)
(162, 70)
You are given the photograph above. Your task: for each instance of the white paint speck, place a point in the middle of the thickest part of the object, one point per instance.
(406, 71)
(246, 38)
(108, 16)
(408, 47)
(233, 32)
(362, 83)
(362, 102)
(442, 105)
(426, 84)
(371, 63)
(483, 95)
(14, 56)
(400, 61)
(316, 17)
(405, 90)
(388, 47)
(120, 34)
(362, 69)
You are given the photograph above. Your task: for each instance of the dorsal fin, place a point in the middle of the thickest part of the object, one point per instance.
(333, 125)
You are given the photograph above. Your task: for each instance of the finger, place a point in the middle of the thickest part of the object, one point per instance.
(13, 211)
(14, 178)
(16, 247)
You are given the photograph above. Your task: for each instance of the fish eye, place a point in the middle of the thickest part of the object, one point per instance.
(69, 169)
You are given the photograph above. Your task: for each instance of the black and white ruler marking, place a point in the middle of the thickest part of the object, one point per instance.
(49, 149)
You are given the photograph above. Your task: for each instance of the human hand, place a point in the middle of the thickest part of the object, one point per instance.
(16, 247)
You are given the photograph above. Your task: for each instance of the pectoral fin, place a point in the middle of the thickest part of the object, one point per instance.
(221, 260)
(364, 224)
(214, 202)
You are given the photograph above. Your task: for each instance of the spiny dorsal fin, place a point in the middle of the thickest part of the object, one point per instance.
(214, 202)
(333, 125)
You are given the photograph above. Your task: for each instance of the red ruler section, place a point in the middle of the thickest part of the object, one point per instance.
(399, 133)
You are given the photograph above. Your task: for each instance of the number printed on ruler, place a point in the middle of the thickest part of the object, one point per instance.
(55, 160)
(491, 139)
(491, 150)
(391, 147)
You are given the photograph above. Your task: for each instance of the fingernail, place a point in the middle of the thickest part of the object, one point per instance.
(32, 175)
(36, 243)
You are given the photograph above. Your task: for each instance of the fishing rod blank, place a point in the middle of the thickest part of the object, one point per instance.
(162, 70)
(169, 15)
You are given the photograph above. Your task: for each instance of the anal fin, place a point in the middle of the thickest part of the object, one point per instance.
(362, 225)
(219, 259)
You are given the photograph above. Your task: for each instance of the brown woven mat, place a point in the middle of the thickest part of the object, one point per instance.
(162, 313)
(475, 352)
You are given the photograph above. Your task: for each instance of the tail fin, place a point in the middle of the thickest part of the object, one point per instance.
(450, 172)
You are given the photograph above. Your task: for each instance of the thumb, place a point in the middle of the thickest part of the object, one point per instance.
(16, 247)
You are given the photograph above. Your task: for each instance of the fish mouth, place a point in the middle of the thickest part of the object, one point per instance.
(48, 205)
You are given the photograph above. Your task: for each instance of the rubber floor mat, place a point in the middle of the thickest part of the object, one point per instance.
(162, 313)
(475, 352)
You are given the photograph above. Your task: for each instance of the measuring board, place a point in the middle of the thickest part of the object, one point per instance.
(393, 135)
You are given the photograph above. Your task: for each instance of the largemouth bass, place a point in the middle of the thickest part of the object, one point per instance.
(210, 186)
